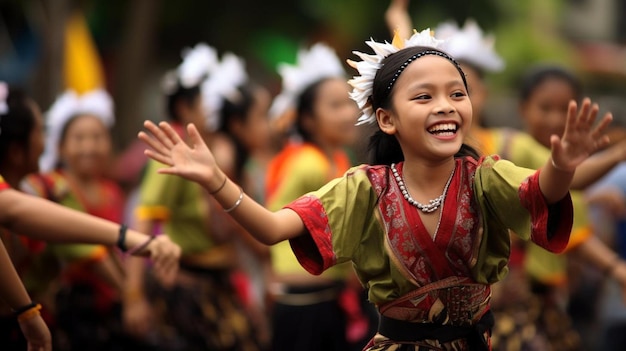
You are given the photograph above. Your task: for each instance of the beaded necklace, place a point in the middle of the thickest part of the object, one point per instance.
(432, 205)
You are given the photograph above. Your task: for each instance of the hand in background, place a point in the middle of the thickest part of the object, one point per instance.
(36, 333)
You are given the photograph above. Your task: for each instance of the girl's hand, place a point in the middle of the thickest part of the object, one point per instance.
(165, 255)
(581, 138)
(37, 334)
(195, 162)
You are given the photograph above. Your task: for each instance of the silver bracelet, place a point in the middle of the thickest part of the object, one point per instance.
(237, 203)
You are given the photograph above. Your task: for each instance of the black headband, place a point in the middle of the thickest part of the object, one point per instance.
(418, 55)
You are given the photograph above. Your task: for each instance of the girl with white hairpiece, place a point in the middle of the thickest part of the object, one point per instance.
(239, 111)
(38, 222)
(75, 166)
(426, 225)
(198, 308)
(315, 98)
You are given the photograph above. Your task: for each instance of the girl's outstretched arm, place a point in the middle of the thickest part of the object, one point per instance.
(195, 162)
(13, 293)
(580, 139)
(45, 220)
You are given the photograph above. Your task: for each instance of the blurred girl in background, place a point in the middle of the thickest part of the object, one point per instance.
(199, 308)
(74, 165)
(238, 110)
(313, 312)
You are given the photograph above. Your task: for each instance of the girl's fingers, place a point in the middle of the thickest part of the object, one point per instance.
(593, 113)
(159, 134)
(194, 136)
(159, 157)
(572, 109)
(152, 143)
(170, 132)
(583, 114)
(603, 125)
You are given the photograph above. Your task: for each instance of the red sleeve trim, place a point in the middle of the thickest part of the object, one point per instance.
(551, 225)
(313, 250)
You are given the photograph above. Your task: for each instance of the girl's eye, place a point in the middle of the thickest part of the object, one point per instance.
(422, 97)
(458, 94)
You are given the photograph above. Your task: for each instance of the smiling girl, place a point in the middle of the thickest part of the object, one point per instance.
(426, 225)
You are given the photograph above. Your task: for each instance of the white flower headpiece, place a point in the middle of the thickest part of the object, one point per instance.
(96, 103)
(312, 65)
(198, 63)
(362, 85)
(470, 44)
(4, 95)
(223, 84)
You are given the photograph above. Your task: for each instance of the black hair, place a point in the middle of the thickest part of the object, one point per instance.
(186, 95)
(237, 109)
(536, 75)
(16, 125)
(305, 107)
(385, 149)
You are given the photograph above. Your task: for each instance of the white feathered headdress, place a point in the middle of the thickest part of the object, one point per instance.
(223, 84)
(312, 65)
(469, 44)
(198, 63)
(96, 103)
(362, 85)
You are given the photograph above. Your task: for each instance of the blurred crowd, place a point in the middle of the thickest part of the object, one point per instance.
(234, 293)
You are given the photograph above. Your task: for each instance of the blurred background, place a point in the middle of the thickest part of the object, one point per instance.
(46, 45)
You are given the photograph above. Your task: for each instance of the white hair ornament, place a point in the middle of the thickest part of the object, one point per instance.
(223, 84)
(198, 63)
(318, 62)
(362, 85)
(97, 103)
(470, 44)
(4, 95)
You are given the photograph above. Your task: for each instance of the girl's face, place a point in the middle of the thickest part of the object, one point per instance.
(254, 133)
(86, 147)
(431, 112)
(545, 110)
(36, 141)
(335, 114)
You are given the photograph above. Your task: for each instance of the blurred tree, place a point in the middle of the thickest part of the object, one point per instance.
(139, 40)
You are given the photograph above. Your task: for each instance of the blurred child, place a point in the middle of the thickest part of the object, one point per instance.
(313, 312)
(199, 308)
(239, 111)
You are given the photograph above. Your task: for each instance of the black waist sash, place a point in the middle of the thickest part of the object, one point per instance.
(403, 331)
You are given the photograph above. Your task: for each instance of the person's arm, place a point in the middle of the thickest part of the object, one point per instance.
(598, 165)
(579, 140)
(13, 293)
(398, 19)
(45, 220)
(196, 163)
(594, 251)
(136, 312)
